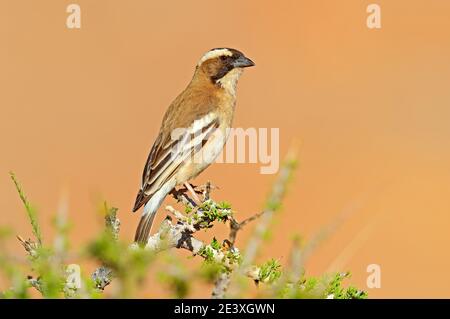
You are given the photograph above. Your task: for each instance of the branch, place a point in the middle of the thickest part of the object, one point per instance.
(221, 286)
(235, 226)
(103, 276)
(29, 209)
(30, 246)
(273, 204)
(181, 236)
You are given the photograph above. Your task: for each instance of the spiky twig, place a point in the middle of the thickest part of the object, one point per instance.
(29, 209)
(103, 276)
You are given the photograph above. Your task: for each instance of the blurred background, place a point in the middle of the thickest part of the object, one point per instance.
(369, 108)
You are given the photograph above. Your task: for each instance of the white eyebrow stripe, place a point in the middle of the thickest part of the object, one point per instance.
(214, 54)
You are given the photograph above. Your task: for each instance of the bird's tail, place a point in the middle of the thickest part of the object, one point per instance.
(150, 209)
(144, 227)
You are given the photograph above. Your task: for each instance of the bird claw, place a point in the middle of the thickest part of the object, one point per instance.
(193, 193)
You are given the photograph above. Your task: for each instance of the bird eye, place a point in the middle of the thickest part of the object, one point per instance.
(223, 57)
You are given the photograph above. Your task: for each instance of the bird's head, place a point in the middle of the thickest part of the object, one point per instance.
(223, 66)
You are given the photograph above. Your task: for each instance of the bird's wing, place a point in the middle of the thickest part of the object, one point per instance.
(169, 151)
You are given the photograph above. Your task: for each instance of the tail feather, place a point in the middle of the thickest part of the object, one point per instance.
(141, 199)
(144, 227)
(150, 209)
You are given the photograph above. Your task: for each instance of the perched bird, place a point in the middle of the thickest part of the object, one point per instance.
(186, 145)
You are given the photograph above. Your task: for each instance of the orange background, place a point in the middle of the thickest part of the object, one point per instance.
(80, 110)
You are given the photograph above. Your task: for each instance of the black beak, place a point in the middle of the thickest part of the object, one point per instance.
(243, 62)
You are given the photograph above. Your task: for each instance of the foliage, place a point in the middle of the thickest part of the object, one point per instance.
(31, 212)
(47, 269)
(270, 271)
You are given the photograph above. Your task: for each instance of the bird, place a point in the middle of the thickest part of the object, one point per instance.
(193, 132)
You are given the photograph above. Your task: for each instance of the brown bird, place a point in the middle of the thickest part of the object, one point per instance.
(193, 131)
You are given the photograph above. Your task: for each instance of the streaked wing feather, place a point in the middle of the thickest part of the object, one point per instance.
(168, 154)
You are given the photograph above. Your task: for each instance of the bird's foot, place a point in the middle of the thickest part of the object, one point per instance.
(205, 190)
(193, 193)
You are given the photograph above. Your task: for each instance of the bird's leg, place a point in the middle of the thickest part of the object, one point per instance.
(206, 190)
(192, 191)
(180, 196)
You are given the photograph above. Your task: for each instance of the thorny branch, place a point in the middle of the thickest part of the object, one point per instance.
(180, 235)
(275, 198)
(103, 276)
(235, 226)
(178, 232)
(273, 204)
